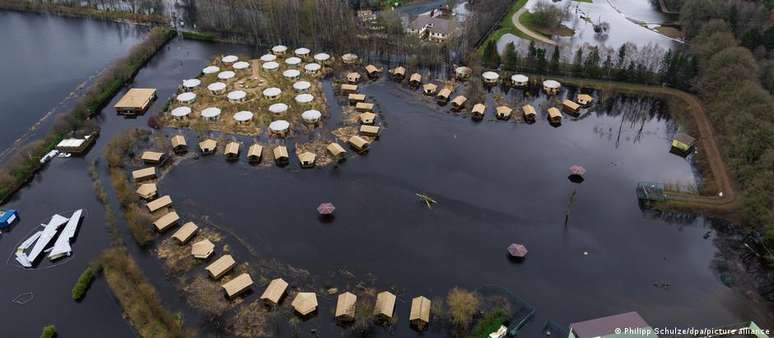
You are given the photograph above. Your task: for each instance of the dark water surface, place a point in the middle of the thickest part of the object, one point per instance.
(46, 57)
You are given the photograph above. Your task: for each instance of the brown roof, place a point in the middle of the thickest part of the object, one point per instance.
(444, 93)
(161, 202)
(221, 266)
(385, 304)
(459, 100)
(145, 173)
(371, 69)
(369, 130)
(305, 303)
(136, 98)
(362, 106)
(280, 152)
(202, 249)
(349, 87)
(504, 111)
(335, 149)
(152, 156)
(420, 310)
(430, 88)
(416, 77)
(232, 149)
(478, 109)
(166, 221)
(367, 118)
(570, 105)
(528, 109)
(584, 98)
(275, 290)
(358, 142)
(178, 141)
(607, 325)
(238, 285)
(208, 145)
(255, 151)
(400, 70)
(553, 113)
(356, 97)
(147, 190)
(307, 158)
(185, 232)
(345, 306)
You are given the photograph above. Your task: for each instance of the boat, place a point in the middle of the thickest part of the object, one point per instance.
(7, 217)
(62, 247)
(47, 157)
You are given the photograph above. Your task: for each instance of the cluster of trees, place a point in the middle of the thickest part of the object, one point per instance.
(136, 10)
(649, 64)
(548, 17)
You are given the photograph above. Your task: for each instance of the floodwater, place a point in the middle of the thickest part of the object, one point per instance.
(46, 57)
(495, 183)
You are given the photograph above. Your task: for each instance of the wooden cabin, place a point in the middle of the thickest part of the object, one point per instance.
(152, 157)
(221, 266)
(478, 111)
(367, 118)
(358, 143)
(415, 80)
(554, 115)
(529, 112)
(345, 307)
(459, 102)
(179, 146)
(355, 98)
(306, 159)
(147, 191)
(420, 313)
(255, 153)
(161, 202)
(238, 285)
(202, 249)
(584, 99)
(364, 107)
(77, 145)
(372, 71)
(305, 303)
(503, 112)
(144, 174)
(280, 155)
(166, 221)
(208, 146)
(385, 305)
(185, 233)
(399, 73)
(683, 143)
(443, 95)
(367, 130)
(135, 102)
(429, 89)
(570, 106)
(232, 151)
(336, 150)
(347, 89)
(353, 77)
(274, 292)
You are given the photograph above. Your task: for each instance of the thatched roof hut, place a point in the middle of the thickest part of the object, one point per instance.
(238, 285)
(185, 233)
(584, 99)
(255, 153)
(202, 249)
(152, 157)
(166, 221)
(161, 202)
(274, 291)
(554, 115)
(336, 150)
(208, 146)
(221, 266)
(367, 118)
(415, 80)
(459, 102)
(147, 191)
(306, 159)
(429, 88)
(385, 305)
(232, 151)
(345, 307)
(570, 105)
(529, 112)
(144, 174)
(367, 130)
(420, 312)
(358, 143)
(280, 154)
(478, 111)
(399, 73)
(503, 112)
(364, 106)
(179, 145)
(305, 303)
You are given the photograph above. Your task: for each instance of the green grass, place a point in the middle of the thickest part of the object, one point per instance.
(528, 19)
(199, 36)
(490, 323)
(49, 331)
(506, 26)
(83, 283)
(586, 1)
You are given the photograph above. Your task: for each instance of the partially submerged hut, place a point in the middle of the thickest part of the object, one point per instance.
(136, 101)
(554, 115)
(367, 130)
(570, 106)
(221, 266)
(519, 80)
(358, 143)
(279, 128)
(345, 307)
(415, 80)
(280, 154)
(185, 233)
(683, 143)
(420, 312)
(503, 112)
(478, 111)
(302, 86)
(551, 87)
(255, 153)
(443, 95)
(272, 93)
(237, 96)
(166, 221)
(353, 77)
(355, 98)
(147, 191)
(279, 50)
(429, 88)
(243, 117)
(152, 157)
(291, 74)
(238, 285)
(529, 112)
(347, 89)
(274, 291)
(311, 116)
(364, 107)
(385, 305)
(312, 68)
(202, 249)
(161, 202)
(463, 73)
(367, 118)
(211, 113)
(208, 146)
(322, 58)
(306, 159)
(186, 98)
(179, 146)
(181, 113)
(372, 71)
(459, 102)
(584, 99)
(305, 303)
(399, 73)
(349, 58)
(336, 150)
(232, 151)
(490, 78)
(144, 174)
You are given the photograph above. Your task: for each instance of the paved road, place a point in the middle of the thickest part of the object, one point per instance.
(534, 35)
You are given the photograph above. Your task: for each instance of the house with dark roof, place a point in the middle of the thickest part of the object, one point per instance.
(436, 29)
(622, 325)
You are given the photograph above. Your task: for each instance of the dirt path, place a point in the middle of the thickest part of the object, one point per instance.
(532, 34)
(707, 142)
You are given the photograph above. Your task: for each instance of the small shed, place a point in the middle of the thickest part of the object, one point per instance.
(364, 107)
(345, 307)
(367, 118)
(385, 305)
(208, 146)
(147, 191)
(202, 249)
(305, 303)
(135, 101)
(221, 266)
(349, 58)
(185, 233)
(443, 95)
(463, 73)
(166, 221)
(420, 312)
(478, 111)
(179, 146)
(161, 202)
(415, 80)
(274, 291)
(358, 143)
(186, 98)
(356, 98)
(232, 151)
(306, 159)
(372, 71)
(399, 73)
(238, 285)
(347, 88)
(584, 99)
(554, 115)
(490, 78)
(280, 154)
(683, 143)
(367, 130)
(551, 87)
(519, 80)
(529, 112)
(570, 105)
(152, 157)
(144, 174)
(255, 153)
(459, 102)
(503, 112)
(353, 77)
(429, 88)
(336, 150)
(272, 93)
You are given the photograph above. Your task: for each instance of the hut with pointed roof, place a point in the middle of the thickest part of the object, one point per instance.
(385, 305)
(152, 157)
(274, 292)
(147, 191)
(305, 303)
(166, 221)
(503, 112)
(459, 102)
(144, 174)
(202, 249)
(179, 146)
(238, 285)
(554, 115)
(336, 150)
(161, 202)
(306, 159)
(185, 233)
(372, 131)
(221, 266)
(529, 112)
(367, 118)
(255, 153)
(420, 313)
(353, 77)
(358, 143)
(364, 106)
(208, 146)
(429, 88)
(345, 307)
(443, 95)
(347, 89)
(372, 71)
(135, 102)
(584, 99)
(463, 73)
(415, 80)
(570, 106)
(232, 151)
(355, 98)
(683, 143)
(478, 111)
(399, 73)
(280, 154)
